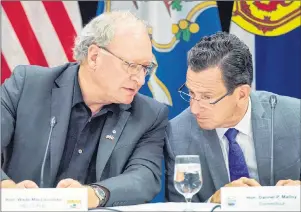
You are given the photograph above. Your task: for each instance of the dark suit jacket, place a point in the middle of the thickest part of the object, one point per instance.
(129, 166)
(185, 137)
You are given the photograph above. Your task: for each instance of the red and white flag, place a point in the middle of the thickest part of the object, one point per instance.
(37, 33)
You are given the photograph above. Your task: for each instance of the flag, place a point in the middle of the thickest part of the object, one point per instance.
(272, 31)
(176, 26)
(37, 33)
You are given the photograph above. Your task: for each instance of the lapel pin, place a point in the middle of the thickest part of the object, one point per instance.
(110, 137)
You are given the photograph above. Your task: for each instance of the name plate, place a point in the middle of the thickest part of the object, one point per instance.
(265, 198)
(44, 199)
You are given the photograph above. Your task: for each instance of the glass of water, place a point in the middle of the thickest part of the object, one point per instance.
(188, 177)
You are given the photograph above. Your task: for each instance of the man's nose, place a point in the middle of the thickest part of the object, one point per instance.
(194, 107)
(139, 78)
(197, 107)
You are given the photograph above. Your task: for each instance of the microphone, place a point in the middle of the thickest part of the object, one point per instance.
(273, 103)
(52, 124)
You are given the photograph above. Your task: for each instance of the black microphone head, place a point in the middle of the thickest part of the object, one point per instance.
(52, 121)
(273, 101)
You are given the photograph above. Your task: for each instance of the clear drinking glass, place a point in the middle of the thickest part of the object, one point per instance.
(188, 177)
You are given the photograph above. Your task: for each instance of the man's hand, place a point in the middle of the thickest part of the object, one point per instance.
(23, 184)
(69, 183)
(288, 182)
(27, 184)
(8, 184)
(241, 182)
(93, 200)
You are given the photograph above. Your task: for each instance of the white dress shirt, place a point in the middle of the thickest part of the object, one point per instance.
(245, 140)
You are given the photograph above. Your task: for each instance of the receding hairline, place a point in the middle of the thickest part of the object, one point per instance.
(102, 30)
(128, 28)
(125, 18)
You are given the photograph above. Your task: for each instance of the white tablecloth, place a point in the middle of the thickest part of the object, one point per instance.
(170, 206)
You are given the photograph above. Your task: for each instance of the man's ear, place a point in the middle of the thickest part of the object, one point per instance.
(92, 56)
(243, 93)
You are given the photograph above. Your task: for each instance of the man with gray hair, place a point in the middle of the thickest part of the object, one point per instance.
(229, 126)
(84, 124)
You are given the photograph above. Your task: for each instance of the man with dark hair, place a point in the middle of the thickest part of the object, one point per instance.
(229, 126)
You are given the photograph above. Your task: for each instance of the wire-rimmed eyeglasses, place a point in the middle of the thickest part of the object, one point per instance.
(134, 68)
(184, 93)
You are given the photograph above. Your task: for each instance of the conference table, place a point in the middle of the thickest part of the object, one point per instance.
(168, 206)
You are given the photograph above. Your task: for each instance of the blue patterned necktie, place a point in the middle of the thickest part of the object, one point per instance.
(237, 164)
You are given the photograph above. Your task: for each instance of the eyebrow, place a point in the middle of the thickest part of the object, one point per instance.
(145, 64)
(206, 92)
(141, 62)
(127, 61)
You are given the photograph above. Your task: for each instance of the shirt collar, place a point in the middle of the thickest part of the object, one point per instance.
(77, 93)
(244, 126)
(78, 98)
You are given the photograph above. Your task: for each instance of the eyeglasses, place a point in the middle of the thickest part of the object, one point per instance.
(134, 68)
(184, 93)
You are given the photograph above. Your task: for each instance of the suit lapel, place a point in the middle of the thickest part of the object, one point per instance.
(208, 142)
(61, 103)
(215, 159)
(261, 137)
(110, 135)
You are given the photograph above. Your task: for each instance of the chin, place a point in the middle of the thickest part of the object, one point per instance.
(206, 125)
(127, 100)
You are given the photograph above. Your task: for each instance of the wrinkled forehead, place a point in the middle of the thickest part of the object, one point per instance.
(205, 80)
(132, 44)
